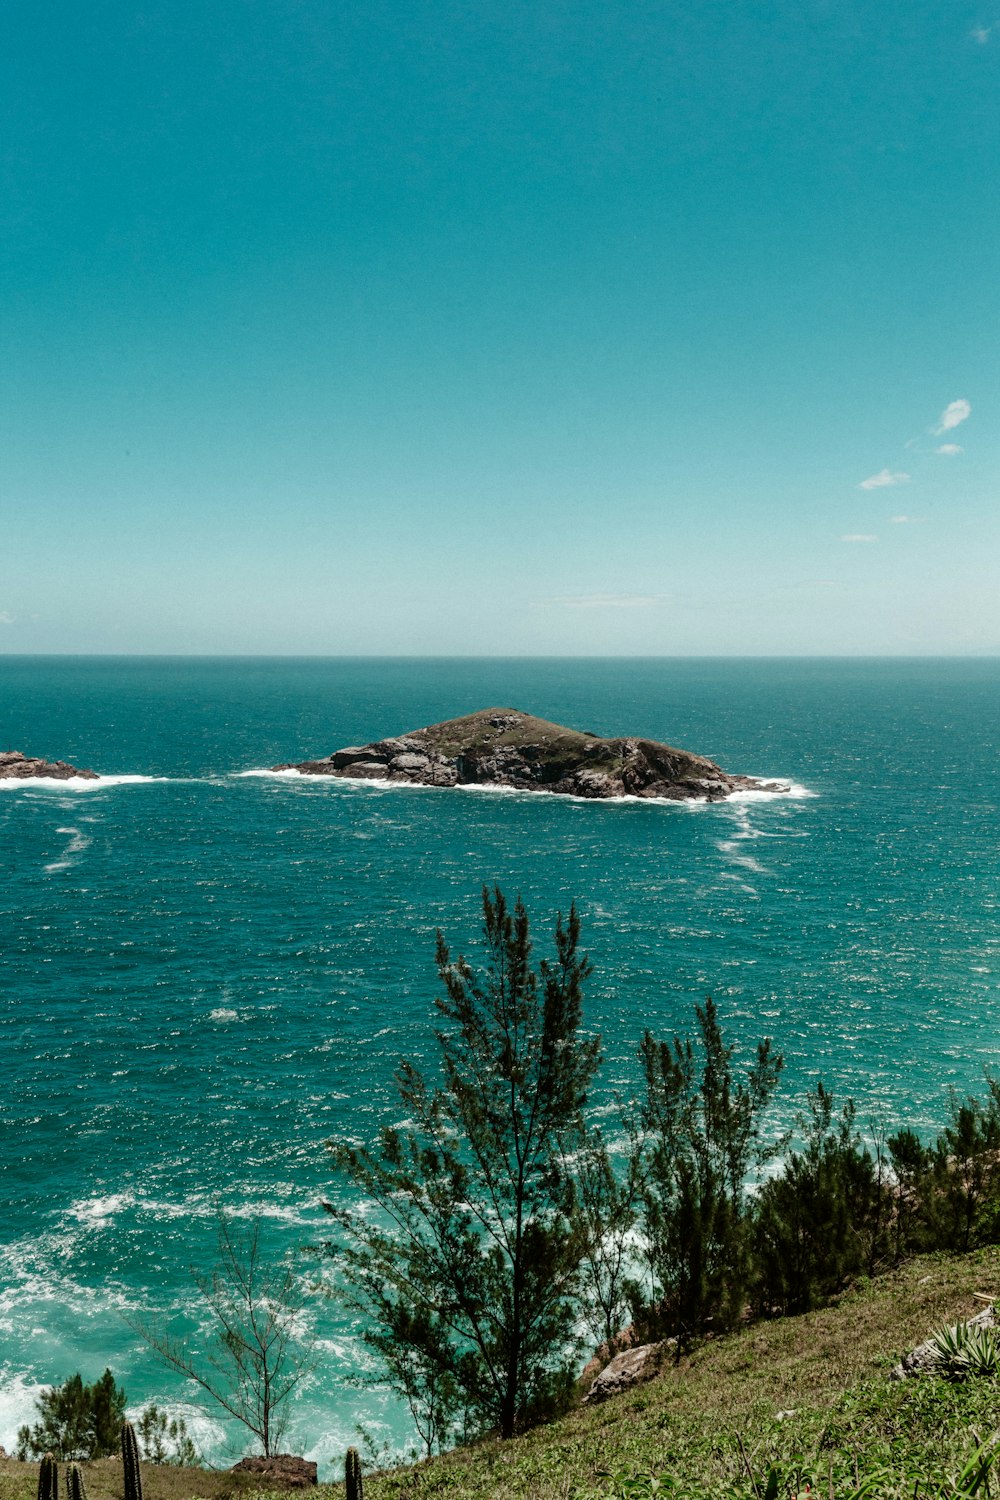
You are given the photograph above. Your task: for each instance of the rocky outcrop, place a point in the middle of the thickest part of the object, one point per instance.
(626, 1370)
(281, 1471)
(17, 767)
(504, 747)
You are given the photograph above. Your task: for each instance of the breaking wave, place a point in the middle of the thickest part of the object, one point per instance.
(780, 790)
(72, 783)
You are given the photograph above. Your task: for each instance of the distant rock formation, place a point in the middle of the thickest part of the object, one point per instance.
(17, 767)
(505, 747)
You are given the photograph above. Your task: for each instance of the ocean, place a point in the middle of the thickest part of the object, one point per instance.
(208, 971)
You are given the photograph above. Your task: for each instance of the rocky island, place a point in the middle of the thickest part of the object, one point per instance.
(17, 767)
(505, 747)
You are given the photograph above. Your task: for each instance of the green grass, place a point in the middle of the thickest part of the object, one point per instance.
(702, 1424)
(103, 1480)
(709, 1426)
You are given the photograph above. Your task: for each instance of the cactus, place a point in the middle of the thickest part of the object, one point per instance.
(130, 1463)
(74, 1483)
(48, 1479)
(353, 1483)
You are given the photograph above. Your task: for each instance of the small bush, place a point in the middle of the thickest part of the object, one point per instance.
(164, 1440)
(76, 1420)
(964, 1350)
(821, 1223)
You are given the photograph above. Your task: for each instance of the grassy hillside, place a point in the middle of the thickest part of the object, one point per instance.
(828, 1367)
(711, 1423)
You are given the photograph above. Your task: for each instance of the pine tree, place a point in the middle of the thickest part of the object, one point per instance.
(470, 1273)
(76, 1420)
(824, 1219)
(703, 1137)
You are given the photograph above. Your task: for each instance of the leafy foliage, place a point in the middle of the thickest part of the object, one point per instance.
(75, 1420)
(164, 1439)
(964, 1349)
(469, 1277)
(704, 1136)
(960, 1198)
(823, 1220)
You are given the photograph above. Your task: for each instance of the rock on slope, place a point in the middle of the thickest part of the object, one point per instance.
(504, 747)
(17, 767)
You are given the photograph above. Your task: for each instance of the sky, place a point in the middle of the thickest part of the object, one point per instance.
(501, 327)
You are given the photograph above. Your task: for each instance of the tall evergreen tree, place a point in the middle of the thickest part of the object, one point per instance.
(956, 1182)
(76, 1420)
(703, 1138)
(469, 1274)
(824, 1219)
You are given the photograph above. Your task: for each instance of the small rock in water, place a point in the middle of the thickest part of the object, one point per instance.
(17, 767)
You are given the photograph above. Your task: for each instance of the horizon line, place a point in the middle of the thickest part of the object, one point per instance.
(985, 655)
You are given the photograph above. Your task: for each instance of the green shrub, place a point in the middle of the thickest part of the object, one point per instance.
(76, 1420)
(702, 1124)
(164, 1440)
(961, 1193)
(963, 1350)
(823, 1221)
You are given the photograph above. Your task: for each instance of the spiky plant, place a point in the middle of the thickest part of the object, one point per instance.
(130, 1463)
(963, 1350)
(353, 1482)
(75, 1489)
(48, 1479)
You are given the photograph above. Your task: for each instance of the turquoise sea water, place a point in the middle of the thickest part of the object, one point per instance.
(207, 972)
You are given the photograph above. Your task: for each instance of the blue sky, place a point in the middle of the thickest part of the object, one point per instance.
(549, 327)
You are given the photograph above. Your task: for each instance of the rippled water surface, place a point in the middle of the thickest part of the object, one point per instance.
(206, 973)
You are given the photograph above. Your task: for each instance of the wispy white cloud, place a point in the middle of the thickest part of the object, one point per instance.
(900, 520)
(607, 601)
(6, 618)
(954, 413)
(981, 34)
(859, 536)
(883, 478)
(950, 449)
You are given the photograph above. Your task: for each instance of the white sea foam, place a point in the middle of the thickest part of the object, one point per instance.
(782, 789)
(290, 773)
(32, 1280)
(77, 843)
(730, 848)
(71, 783)
(789, 789)
(18, 1395)
(95, 1212)
(222, 1014)
(204, 1205)
(283, 1213)
(327, 778)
